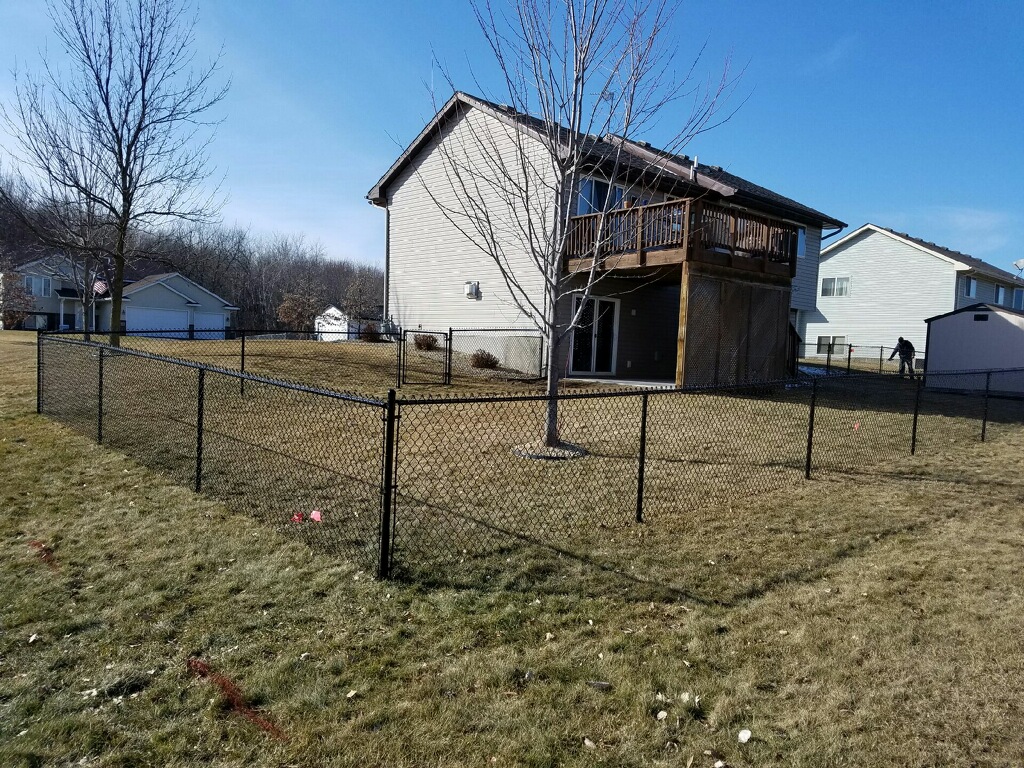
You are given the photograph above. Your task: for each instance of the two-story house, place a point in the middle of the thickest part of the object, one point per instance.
(876, 284)
(697, 267)
(168, 304)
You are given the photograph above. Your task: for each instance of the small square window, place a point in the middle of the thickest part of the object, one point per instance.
(828, 286)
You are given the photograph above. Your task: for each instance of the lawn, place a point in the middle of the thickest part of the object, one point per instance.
(866, 617)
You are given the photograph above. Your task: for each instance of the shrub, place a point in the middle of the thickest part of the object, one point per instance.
(425, 341)
(371, 333)
(483, 359)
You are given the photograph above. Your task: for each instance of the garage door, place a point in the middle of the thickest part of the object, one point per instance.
(210, 325)
(168, 323)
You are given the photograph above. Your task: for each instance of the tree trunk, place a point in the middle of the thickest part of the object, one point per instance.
(116, 289)
(552, 438)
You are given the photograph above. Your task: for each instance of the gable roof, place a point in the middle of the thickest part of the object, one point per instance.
(965, 261)
(680, 169)
(162, 278)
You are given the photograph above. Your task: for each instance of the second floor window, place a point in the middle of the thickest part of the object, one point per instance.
(1000, 295)
(970, 287)
(37, 286)
(835, 286)
(801, 242)
(1018, 298)
(592, 196)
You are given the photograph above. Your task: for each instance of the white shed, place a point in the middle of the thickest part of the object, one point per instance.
(979, 338)
(334, 325)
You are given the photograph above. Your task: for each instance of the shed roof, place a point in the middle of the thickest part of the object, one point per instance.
(980, 307)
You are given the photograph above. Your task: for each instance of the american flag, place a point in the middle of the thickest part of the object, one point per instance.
(99, 286)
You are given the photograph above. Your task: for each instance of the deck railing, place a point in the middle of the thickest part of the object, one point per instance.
(686, 223)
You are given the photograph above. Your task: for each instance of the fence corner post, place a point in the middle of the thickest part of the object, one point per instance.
(387, 487)
(399, 362)
(849, 358)
(99, 401)
(917, 410)
(642, 460)
(881, 355)
(984, 416)
(200, 398)
(810, 429)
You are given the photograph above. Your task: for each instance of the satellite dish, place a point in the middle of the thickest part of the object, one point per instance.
(1019, 266)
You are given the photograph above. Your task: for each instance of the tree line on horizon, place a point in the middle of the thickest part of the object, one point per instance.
(279, 281)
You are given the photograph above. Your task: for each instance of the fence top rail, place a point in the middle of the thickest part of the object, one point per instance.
(280, 383)
(498, 330)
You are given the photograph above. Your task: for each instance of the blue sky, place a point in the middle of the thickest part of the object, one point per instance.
(908, 114)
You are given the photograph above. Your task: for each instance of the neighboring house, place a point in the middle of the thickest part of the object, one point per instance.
(335, 325)
(171, 305)
(978, 337)
(168, 303)
(875, 285)
(742, 258)
(55, 288)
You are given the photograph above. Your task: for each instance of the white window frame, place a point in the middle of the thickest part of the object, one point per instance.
(40, 287)
(837, 291)
(970, 287)
(1000, 294)
(801, 242)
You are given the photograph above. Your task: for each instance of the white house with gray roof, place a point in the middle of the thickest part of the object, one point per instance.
(876, 284)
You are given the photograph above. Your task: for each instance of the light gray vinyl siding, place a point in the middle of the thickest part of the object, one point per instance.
(985, 293)
(894, 287)
(806, 280)
(434, 249)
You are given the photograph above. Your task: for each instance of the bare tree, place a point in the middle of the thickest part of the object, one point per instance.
(573, 70)
(15, 300)
(118, 142)
(299, 308)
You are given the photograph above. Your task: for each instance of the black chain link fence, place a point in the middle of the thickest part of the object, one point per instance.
(480, 354)
(843, 358)
(411, 485)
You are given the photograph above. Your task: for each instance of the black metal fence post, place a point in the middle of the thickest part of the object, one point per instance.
(241, 380)
(810, 429)
(984, 417)
(99, 401)
(828, 359)
(39, 371)
(199, 429)
(917, 410)
(642, 460)
(449, 348)
(881, 354)
(387, 487)
(401, 359)
(849, 358)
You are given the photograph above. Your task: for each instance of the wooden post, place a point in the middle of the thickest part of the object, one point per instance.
(732, 233)
(695, 236)
(684, 290)
(639, 235)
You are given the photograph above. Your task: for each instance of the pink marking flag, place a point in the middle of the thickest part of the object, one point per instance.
(315, 516)
(856, 426)
(297, 517)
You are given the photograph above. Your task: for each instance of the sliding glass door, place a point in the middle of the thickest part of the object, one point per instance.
(594, 338)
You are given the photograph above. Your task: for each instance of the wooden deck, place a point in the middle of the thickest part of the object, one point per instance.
(682, 230)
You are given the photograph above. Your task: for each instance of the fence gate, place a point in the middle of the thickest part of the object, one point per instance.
(425, 357)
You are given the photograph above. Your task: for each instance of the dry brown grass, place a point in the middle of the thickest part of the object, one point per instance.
(865, 618)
